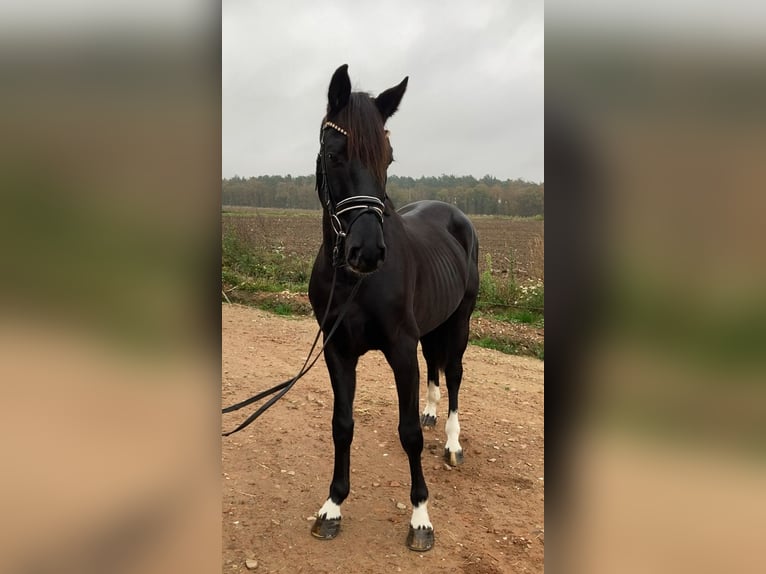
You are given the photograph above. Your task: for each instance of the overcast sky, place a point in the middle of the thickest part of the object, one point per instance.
(474, 103)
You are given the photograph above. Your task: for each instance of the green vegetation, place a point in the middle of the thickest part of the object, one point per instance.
(511, 347)
(487, 195)
(502, 298)
(258, 270)
(278, 307)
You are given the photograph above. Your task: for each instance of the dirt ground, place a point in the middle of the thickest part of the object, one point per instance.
(487, 513)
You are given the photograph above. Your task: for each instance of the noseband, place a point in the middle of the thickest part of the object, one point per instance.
(361, 203)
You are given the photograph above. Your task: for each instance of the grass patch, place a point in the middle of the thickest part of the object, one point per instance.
(261, 270)
(523, 316)
(278, 307)
(511, 347)
(286, 305)
(503, 298)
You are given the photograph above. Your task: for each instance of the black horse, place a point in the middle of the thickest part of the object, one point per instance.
(413, 276)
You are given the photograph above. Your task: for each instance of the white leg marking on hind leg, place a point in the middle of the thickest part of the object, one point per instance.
(452, 428)
(432, 399)
(420, 516)
(329, 510)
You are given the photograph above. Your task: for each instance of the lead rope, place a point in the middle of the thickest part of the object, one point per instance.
(288, 384)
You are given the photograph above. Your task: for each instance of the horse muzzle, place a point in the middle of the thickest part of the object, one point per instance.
(366, 259)
(365, 247)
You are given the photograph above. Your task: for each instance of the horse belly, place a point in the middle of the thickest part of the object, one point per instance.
(441, 288)
(441, 239)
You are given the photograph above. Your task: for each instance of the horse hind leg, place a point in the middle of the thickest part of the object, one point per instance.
(433, 394)
(432, 346)
(453, 452)
(453, 373)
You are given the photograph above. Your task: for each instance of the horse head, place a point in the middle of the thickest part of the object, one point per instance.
(352, 169)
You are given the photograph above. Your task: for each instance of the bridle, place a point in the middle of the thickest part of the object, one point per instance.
(361, 203)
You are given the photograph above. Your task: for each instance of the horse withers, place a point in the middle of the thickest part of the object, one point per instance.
(413, 276)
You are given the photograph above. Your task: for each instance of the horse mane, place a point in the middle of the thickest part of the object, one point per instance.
(367, 140)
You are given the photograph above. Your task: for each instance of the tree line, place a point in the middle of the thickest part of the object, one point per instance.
(487, 195)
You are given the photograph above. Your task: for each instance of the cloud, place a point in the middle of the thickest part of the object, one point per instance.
(474, 104)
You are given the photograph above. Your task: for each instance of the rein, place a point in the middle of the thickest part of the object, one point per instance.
(285, 386)
(361, 203)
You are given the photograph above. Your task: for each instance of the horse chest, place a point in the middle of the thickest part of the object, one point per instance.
(365, 331)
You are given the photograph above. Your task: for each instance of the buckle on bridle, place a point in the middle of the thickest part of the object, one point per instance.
(337, 226)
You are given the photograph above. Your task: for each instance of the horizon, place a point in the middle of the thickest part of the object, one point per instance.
(478, 179)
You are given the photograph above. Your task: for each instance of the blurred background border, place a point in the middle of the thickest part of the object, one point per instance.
(110, 329)
(109, 295)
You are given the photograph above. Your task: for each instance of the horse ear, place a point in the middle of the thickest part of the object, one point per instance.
(388, 101)
(340, 90)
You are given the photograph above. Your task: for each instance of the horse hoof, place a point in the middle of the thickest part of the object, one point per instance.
(454, 458)
(325, 528)
(420, 539)
(428, 421)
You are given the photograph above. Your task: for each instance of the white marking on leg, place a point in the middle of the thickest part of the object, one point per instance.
(452, 428)
(420, 516)
(432, 400)
(329, 510)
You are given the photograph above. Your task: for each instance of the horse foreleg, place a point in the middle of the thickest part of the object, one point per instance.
(404, 362)
(343, 377)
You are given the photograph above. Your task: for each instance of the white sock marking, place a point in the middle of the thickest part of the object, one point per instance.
(432, 399)
(420, 516)
(329, 510)
(452, 428)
